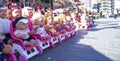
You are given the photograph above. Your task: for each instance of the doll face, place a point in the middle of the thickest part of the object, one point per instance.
(50, 22)
(41, 23)
(3, 13)
(16, 13)
(30, 12)
(22, 26)
(36, 22)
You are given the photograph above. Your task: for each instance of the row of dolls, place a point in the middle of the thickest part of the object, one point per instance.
(40, 25)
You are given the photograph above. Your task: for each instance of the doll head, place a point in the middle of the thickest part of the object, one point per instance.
(36, 22)
(56, 20)
(56, 24)
(42, 22)
(50, 20)
(27, 12)
(16, 13)
(24, 13)
(3, 11)
(20, 23)
(30, 12)
(39, 21)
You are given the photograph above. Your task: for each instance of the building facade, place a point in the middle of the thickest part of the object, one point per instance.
(107, 7)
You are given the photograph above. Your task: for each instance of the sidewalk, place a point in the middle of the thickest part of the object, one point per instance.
(105, 38)
(101, 43)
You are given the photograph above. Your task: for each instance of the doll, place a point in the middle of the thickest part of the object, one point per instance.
(51, 24)
(22, 31)
(58, 24)
(4, 28)
(40, 28)
(4, 49)
(68, 22)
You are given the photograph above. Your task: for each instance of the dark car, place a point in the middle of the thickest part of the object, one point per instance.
(112, 16)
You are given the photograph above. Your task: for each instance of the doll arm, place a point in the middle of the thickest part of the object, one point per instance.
(7, 49)
(46, 27)
(31, 32)
(21, 36)
(18, 35)
(35, 27)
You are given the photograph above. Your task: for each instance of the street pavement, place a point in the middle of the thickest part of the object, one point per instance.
(99, 43)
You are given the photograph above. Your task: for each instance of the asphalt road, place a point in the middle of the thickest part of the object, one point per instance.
(99, 43)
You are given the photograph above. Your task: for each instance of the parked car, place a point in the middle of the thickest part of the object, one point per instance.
(112, 15)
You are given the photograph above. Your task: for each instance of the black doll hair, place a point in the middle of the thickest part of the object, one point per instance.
(16, 20)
